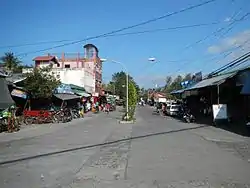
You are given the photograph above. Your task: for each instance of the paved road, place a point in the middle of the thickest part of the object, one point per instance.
(186, 158)
(172, 154)
(52, 170)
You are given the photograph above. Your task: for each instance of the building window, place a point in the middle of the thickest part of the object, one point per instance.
(58, 65)
(67, 66)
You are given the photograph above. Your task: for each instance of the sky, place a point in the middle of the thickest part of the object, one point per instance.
(176, 51)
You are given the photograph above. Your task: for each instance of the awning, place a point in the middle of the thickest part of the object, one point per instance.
(65, 96)
(77, 87)
(19, 93)
(217, 80)
(178, 91)
(5, 97)
(81, 93)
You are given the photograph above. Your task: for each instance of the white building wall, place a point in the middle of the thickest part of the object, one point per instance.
(82, 77)
(76, 76)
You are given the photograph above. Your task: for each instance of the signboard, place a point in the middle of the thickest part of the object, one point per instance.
(220, 111)
(163, 100)
(63, 89)
(19, 93)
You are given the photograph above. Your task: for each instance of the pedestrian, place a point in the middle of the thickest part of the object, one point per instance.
(107, 107)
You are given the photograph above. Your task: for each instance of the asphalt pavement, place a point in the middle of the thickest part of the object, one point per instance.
(155, 151)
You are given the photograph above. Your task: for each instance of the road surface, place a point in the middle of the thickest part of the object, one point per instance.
(154, 152)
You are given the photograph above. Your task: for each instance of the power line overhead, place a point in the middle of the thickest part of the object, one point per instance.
(124, 28)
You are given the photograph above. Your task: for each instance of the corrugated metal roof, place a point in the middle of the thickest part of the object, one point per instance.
(178, 91)
(65, 96)
(15, 78)
(212, 81)
(241, 66)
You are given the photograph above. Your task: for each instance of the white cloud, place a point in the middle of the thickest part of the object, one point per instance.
(228, 19)
(241, 39)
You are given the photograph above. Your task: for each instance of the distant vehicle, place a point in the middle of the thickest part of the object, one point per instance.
(173, 109)
(119, 102)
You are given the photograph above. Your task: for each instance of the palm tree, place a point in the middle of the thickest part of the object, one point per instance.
(11, 63)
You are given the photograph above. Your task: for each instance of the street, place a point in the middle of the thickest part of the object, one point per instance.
(155, 151)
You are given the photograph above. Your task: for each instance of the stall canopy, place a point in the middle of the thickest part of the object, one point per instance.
(65, 96)
(71, 89)
(5, 97)
(217, 80)
(79, 90)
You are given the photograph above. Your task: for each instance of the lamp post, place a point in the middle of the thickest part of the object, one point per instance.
(126, 70)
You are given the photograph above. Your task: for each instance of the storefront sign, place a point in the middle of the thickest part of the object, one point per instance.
(220, 111)
(63, 89)
(19, 93)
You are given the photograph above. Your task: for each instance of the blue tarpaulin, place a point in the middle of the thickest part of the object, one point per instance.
(63, 89)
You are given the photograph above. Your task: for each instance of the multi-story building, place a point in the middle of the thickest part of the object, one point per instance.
(81, 69)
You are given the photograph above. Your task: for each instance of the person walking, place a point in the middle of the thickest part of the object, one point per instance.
(107, 108)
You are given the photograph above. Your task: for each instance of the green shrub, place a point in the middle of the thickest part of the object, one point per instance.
(132, 100)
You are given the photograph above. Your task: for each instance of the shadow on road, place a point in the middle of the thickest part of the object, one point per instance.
(97, 145)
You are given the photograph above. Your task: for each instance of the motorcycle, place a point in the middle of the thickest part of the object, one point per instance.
(75, 113)
(188, 118)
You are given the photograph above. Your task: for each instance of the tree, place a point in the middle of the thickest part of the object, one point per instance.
(119, 83)
(132, 95)
(143, 94)
(175, 84)
(11, 63)
(168, 81)
(40, 83)
(188, 77)
(132, 99)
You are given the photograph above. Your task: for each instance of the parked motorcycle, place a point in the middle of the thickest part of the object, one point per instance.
(188, 118)
(75, 113)
(3, 123)
(67, 115)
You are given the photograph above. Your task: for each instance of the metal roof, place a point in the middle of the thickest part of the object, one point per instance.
(15, 78)
(213, 81)
(178, 91)
(216, 80)
(238, 67)
(65, 96)
(44, 58)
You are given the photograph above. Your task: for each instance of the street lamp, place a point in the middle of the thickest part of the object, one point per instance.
(126, 70)
(152, 59)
